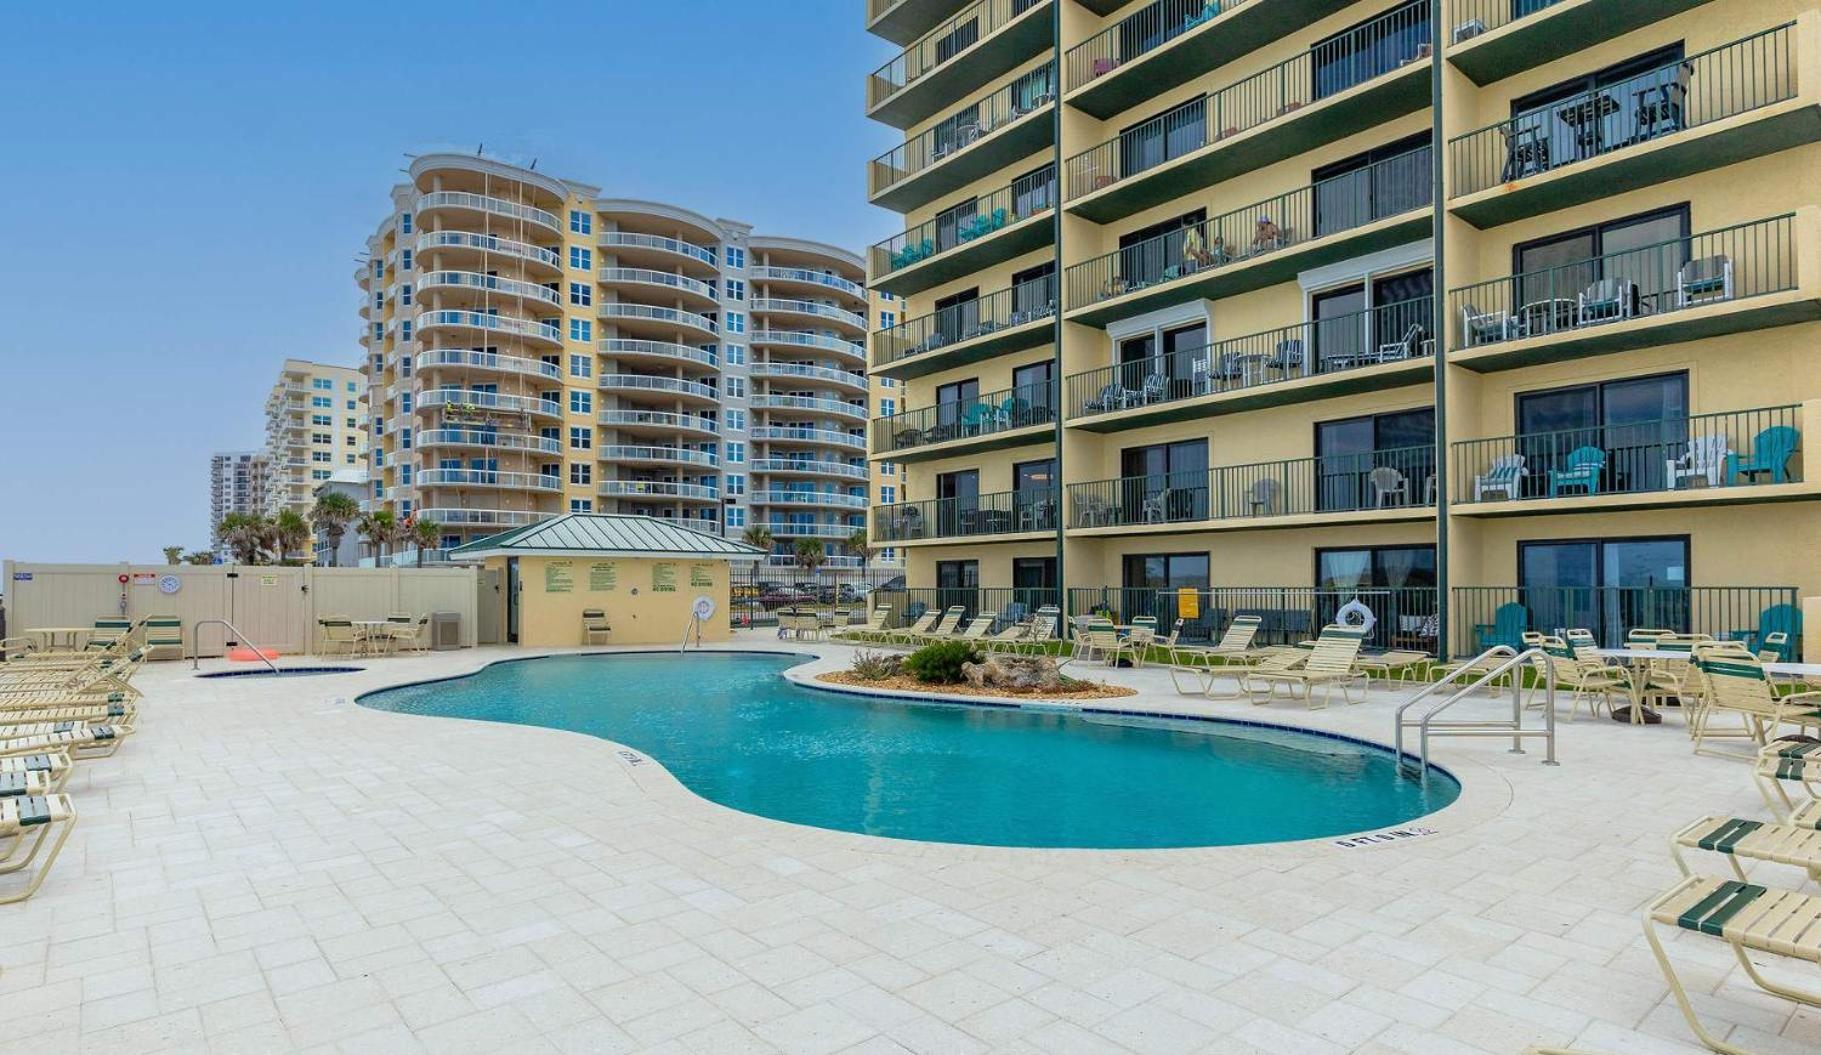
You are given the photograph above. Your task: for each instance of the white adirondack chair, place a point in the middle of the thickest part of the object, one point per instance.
(1507, 474)
(1705, 457)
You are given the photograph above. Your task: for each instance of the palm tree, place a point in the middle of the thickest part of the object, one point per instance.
(426, 534)
(290, 532)
(245, 534)
(758, 536)
(331, 515)
(861, 547)
(810, 554)
(199, 557)
(380, 528)
(173, 554)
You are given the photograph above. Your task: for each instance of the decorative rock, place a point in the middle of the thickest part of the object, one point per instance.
(1015, 673)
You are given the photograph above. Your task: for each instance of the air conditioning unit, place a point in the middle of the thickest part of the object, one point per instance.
(1469, 29)
(445, 631)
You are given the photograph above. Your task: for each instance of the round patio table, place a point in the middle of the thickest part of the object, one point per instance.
(369, 631)
(1637, 668)
(51, 637)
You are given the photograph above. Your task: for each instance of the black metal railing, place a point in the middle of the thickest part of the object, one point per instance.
(1385, 334)
(1632, 458)
(1473, 17)
(1383, 189)
(1484, 616)
(1139, 34)
(1018, 305)
(1731, 79)
(983, 415)
(1009, 604)
(939, 45)
(1020, 200)
(1399, 478)
(1745, 260)
(1368, 51)
(1024, 96)
(1405, 617)
(999, 513)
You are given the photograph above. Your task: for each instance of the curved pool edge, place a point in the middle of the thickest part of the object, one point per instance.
(1479, 800)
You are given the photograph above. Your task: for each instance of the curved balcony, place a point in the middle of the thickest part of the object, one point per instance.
(509, 364)
(466, 516)
(461, 242)
(630, 453)
(460, 202)
(479, 322)
(659, 489)
(653, 317)
(807, 403)
(828, 532)
(810, 310)
(645, 384)
(666, 353)
(800, 372)
(970, 143)
(488, 439)
(793, 497)
(793, 435)
(645, 280)
(488, 478)
(470, 401)
(980, 42)
(971, 236)
(807, 467)
(804, 339)
(659, 422)
(803, 276)
(634, 247)
(466, 282)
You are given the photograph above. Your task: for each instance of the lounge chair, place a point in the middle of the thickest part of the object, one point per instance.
(1042, 631)
(1506, 475)
(1235, 643)
(595, 627)
(1007, 640)
(1749, 918)
(1733, 682)
(1396, 665)
(874, 626)
(1582, 469)
(97, 713)
(1771, 450)
(1404, 347)
(79, 742)
(977, 628)
(1785, 762)
(945, 627)
(904, 635)
(1741, 839)
(103, 673)
(1705, 458)
(51, 817)
(54, 767)
(1329, 663)
(164, 632)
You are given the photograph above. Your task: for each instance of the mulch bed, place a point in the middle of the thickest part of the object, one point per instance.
(1082, 690)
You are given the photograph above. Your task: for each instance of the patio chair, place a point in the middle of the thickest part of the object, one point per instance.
(1388, 487)
(27, 823)
(163, 632)
(1261, 497)
(1771, 450)
(1587, 678)
(338, 636)
(1783, 619)
(1156, 386)
(1705, 458)
(1705, 280)
(1509, 622)
(1784, 762)
(53, 769)
(80, 741)
(1112, 397)
(1607, 300)
(1092, 511)
(1100, 643)
(1506, 474)
(1733, 683)
(1286, 358)
(1485, 327)
(1582, 469)
(978, 418)
(1155, 509)
(1404, 347)
(1329, 663)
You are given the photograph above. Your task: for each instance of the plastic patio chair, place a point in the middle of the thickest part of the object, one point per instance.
(1507, 628)
(1705, 457)
(1388, 485)
(1506, 474)
(1582, 469)
(1261, 497)
(1784, 619)
(1771, 450)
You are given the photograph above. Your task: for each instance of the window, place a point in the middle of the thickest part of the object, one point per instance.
(1144, 254)
(1640, 422)
(322, 384)
(736, 386)
(1631, 104)
(404, 295)
(353, 404)
(581, 330)
(404, 439)
(887, 320)
(736, 322)
(379, 269)
(581, 293)
(888, 494)
(581, 221)
(404, 330)
(736, 452)
(321, 456)
(735, 483)
(580, 401)
(1349, 450)
(581, 438)
(1165, 571)
(1646, 250)
(736, 418)
(354, 423)
(379, 299)
(1370, 49)
(888, 406)
(404, 402)
(736, 289)
(379, 331)
(1611, 585)
(581, 473)
(736, 516)
(581, 505)
(735, 257)
(404, 259)
(736, 355)
(319, 474)
(581, 365)
(404, 223)
(887, 468)
(1175, 473)
(322, 419)
(322, 401)
(581, 258)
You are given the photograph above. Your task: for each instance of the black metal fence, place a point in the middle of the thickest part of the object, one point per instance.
(1485, 616)
(1021, 199)
(983, 415)
(1139, 34)
(997, 513)
(1404, 617)
(1024, 96)
(1026, 302)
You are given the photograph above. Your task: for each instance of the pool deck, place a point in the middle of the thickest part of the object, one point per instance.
(266, 866)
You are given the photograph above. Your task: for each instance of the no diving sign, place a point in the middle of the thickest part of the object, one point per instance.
(1389, 835)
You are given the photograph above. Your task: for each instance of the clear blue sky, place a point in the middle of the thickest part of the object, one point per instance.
(187, 186)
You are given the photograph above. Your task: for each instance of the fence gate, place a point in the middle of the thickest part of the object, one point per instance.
(487, 605)
(269, 607)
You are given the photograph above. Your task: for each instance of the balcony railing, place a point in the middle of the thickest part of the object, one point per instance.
(515, 364)
(763, 273)
(1399, 478)
(1138, 34)
(827, 530)
(795, 434)
(473, 399)
(1405, 616)
(634, 240)
(761, 305)
(1484, 616)
(1369, 51)
(761, 466)
(804, 496)
(809, 373)
(1000, 513)
(1021, 98)
(1706, 87)
(649, 277)
(480, 320)
(1719, 450)
(508, 287)
(654, 313)
(658, 489)
(648, 383)
(665, 349)
(805, 339)
(431, 240)
(1381, 190)
(659, 418)
(1713, 267)
(974, 23)
(452, 516)
(1019, 305)
(454, 199)
(1388, 333)
(506, 441)
(1474, 17)
(645, 453)
(982, 416)
(487, 478)
(1022, 199)
(764, 401)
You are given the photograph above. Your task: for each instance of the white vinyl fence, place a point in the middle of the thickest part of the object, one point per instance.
(271, 607)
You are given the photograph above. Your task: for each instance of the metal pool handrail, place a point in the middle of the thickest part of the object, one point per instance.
(196, 657)
(1512, 663)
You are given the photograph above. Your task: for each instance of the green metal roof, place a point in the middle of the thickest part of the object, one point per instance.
(592, 534)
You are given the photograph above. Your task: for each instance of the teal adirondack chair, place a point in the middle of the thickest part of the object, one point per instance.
(1784, 618)
(1507, 628)
(1770, 453)
(977, 418)
(1582, 469)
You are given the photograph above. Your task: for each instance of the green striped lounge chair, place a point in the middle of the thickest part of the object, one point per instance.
(108, 633)
(905, 635)
(64, 711)
(874, 626)
(1330, 663)
(1785, 762)
(164, 632)
(1734, 683)
(945, 627)
(80, 741)
(1749, 918)
(1739, 839)
(28, 823)
(54, 767)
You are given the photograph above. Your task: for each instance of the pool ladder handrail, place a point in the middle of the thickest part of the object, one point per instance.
(238, 638)
(694, 627)
(1511, 662)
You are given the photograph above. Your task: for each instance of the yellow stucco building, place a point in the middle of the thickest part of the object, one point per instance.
(316, 425)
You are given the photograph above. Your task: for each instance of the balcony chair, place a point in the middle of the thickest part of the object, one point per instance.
(978, 418)
(1526, 153)
(1583, 469)
(1705, 457)
(1486, 327)
(1287, 358)
(1155, 388)
(1388, 484)
(1507, 475)
(1778, 619)
(1406, 347)
(1771, 451)
(1092, 511)
(1156, 508)
(1507, 628)
(1261, 497)
(1607, 300)
(1036, 516)
(1704, 280)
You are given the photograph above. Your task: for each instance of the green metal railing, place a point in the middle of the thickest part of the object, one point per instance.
(998, 513)
(1138, 34)
(1024, 96)
(1731, 79)
(983, 415)
(1473, 17)
(1024, 303)
(1745, 260)
(1632, 458)
(1484, 616)
(1019, 200)
(942, 44)
(1405, 616)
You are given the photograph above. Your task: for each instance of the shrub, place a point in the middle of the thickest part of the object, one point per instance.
(940, 663)
(876, 666)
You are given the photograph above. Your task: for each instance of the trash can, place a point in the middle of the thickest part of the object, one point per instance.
(445, 631)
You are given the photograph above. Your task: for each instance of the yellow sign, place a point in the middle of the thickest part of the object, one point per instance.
(268, 580)
(1188, 603)
(701, 575)
(603, 576)
(559, 576)
(663, 577)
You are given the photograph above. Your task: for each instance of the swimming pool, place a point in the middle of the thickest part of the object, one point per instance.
(736, 732)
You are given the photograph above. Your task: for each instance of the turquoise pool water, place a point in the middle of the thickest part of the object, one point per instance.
(733, 730)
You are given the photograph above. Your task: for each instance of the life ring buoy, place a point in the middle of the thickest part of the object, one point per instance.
(1355, 614)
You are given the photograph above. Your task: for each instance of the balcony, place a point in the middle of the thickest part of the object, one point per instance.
(464, 516)
(807, 467)
(994, 421)
(477, 325)
(633, 351)
(507, 364)
(693, 291)
(460, 242)
(659, 423)
(659, 489)
(806, 497)
(1379, 348)
(1733, 457)
(798, 436)
(1484, 616)
(488, 478)
(805, 277)
(481, 205)
(805, 339)
(462, 401)
(634, 247)
(647, 455)
(991, 229)
(1396, 484)
(1171, 42)
(810, 404)
(1383, 205)
(828, 532)
(1377, 72)
(969, 144)
(647, 384)
(469, 285)
(1009, 320)
(1731, 103)
(1493, 39)
(1009, 516)
(984, 40)
(903, 21)
(1730, 280)
(658, 319)
(488, 439)
(809, 311)
(804, 372)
